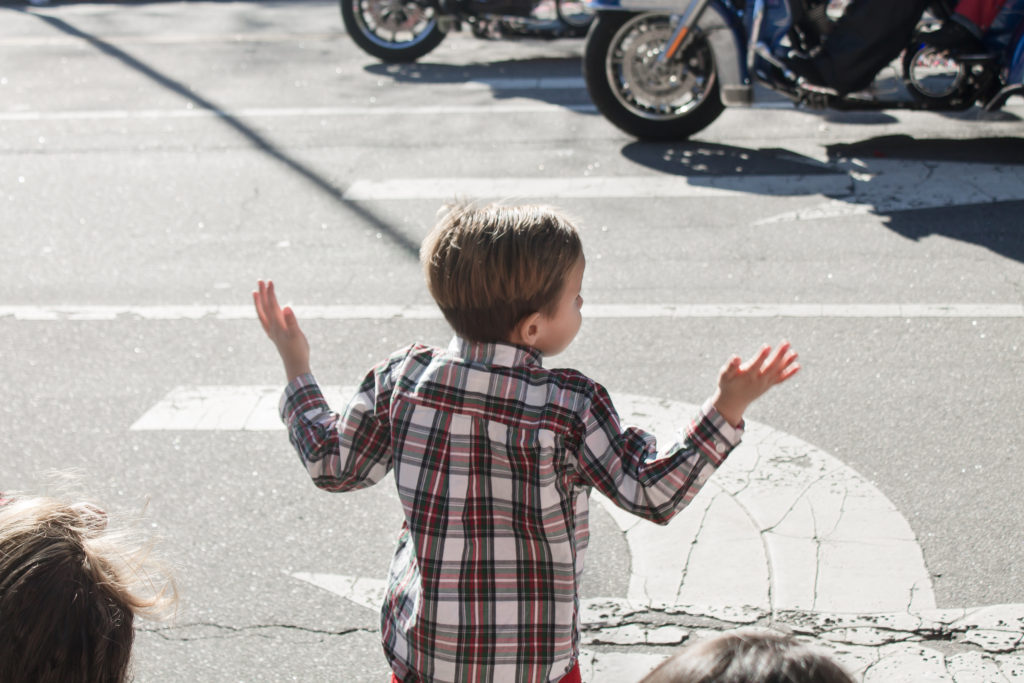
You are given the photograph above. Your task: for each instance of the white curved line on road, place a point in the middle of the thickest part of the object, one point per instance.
(108, 313)
(783, 526)
(104, 313)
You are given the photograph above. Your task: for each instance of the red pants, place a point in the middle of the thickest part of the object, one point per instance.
(981, 12)
(572, 677)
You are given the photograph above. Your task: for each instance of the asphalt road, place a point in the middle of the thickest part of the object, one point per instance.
(157, 158)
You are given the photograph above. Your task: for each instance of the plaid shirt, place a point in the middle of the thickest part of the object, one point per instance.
(494, 457)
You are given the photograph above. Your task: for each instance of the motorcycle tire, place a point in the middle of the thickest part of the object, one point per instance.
(936, 79)
(393, 31)
(648, 100)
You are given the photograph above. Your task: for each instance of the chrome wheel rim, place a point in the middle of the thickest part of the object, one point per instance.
(652, 88)
(934, 74)
(394, 24)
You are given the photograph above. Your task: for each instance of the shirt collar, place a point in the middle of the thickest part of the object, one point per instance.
(498, 353)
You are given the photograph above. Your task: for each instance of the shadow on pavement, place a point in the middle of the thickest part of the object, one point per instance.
(919, 187)
(408, 245)
(995, 225)
(695, 160)
(979, 150)
(559, 83)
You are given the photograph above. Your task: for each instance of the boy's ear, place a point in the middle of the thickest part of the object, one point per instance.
(527, 330)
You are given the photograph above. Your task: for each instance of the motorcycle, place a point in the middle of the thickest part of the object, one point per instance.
(666, 69)
(397, 31)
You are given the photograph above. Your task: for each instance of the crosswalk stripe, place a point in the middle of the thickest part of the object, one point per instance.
(292, 112)
(812, 537)
(90, 313)
(589, 187)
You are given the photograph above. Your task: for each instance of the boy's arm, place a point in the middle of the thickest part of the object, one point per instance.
(341, 452)
(283, 329)
(624, 463)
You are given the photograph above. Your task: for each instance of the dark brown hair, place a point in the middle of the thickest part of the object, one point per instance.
(489, 267)
(69, 592)
(749, 656)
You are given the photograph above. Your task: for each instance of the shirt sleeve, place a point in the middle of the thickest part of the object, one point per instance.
(624, 463)
(341, 451)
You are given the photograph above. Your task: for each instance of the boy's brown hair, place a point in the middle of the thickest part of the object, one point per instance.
(489, 267)
(749, 656)
(69, 592)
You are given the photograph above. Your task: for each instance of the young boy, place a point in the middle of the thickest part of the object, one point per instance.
(494, 455)
(70, 589)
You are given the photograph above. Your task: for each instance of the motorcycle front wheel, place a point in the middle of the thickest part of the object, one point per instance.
(393, 31)
(646, 97)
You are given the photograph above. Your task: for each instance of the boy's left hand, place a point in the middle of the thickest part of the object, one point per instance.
(740, 384)
(283, 329)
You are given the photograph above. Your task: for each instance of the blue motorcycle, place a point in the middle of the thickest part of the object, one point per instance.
(666, 69)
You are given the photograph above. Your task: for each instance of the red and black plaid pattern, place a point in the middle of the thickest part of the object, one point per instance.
(493, 458)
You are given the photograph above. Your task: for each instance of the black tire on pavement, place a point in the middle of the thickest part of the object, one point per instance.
(375, 26)
(650, 101)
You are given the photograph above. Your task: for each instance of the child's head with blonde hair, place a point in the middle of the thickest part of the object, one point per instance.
(490, 267)
(749, 656)
(69, 592)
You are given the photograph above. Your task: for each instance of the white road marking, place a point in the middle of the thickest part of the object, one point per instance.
(224, 408)
(543, 83)
(805, 531)
(492, 84)
(590, 187)
(192, 112)
(171, 39)
(782, 533)
(88, 313)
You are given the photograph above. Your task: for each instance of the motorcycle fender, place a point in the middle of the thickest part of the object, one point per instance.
(726, 37)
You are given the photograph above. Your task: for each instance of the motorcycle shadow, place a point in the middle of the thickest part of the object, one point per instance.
(705, 163)
(969, 190)
(551, 80)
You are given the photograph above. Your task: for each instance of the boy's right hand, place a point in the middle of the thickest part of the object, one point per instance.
(740, 384)
(283, 329)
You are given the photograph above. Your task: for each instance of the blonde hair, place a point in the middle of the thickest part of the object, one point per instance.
(489, 267)
(749, 656)
(69, 591)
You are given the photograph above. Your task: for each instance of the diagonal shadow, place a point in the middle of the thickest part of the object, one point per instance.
(409, 246)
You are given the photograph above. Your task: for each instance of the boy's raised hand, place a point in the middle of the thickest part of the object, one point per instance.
(740, 384)
(283, 329)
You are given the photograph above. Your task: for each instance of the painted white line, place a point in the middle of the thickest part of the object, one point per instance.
(86, 313)
(646, 186)
(171, 39)
(224, 408)
(191, 112)
(783, 532)
(804, 531)
(782, 529)
(543, 83)
(781, 526)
